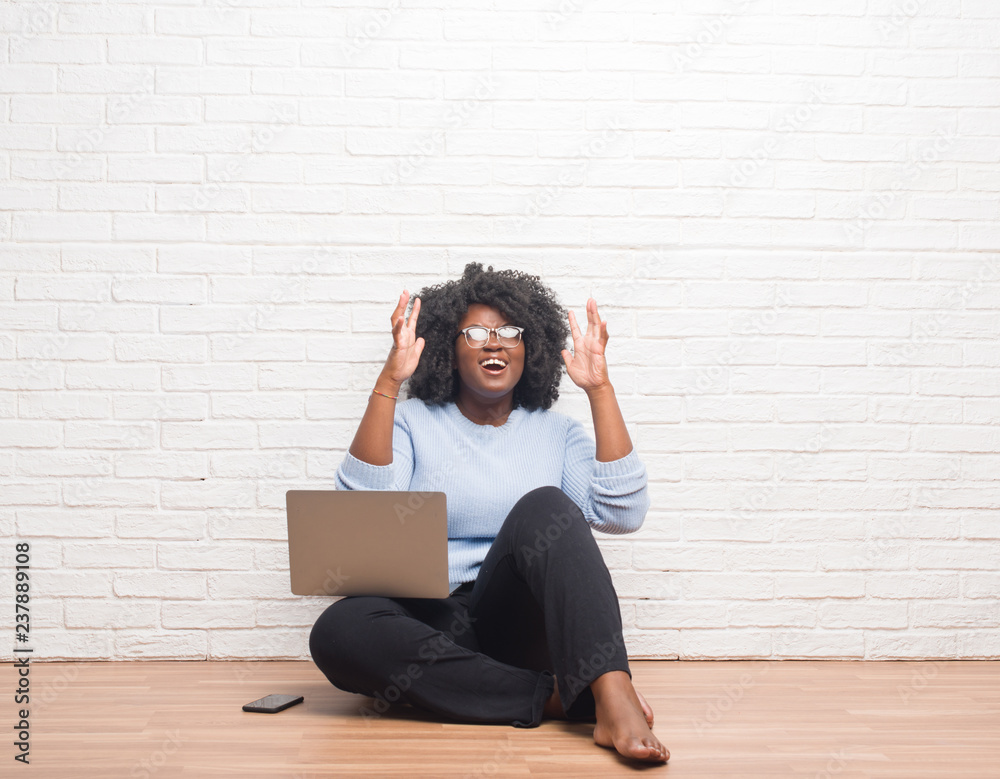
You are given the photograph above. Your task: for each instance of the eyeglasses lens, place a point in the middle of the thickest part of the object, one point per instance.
(508, 336)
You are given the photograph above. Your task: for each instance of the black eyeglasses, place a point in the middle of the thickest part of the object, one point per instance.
(478, 336)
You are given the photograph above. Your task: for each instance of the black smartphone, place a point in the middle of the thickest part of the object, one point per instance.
(271, 704)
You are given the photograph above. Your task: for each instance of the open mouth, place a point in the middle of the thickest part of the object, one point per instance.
(493, 365)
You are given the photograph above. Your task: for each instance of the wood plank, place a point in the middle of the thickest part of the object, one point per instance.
(749, 719)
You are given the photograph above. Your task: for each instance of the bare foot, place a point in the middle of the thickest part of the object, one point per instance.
(623, 721)
(646, 709)
(553, 708)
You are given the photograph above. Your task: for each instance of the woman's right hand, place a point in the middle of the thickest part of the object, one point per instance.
(406, 347)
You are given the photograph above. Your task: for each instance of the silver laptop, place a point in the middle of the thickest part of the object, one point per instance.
(363, 542)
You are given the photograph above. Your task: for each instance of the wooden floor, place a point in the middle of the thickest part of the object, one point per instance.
(742, 719)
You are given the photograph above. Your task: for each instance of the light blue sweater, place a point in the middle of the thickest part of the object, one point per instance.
(484, 470)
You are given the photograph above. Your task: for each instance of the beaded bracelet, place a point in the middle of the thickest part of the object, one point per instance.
(391, 397)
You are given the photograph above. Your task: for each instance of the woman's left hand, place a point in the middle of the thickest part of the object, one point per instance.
(586, 365)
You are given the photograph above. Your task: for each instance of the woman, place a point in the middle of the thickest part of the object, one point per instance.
(532, 628)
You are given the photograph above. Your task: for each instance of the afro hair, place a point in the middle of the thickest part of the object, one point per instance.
(523, 300)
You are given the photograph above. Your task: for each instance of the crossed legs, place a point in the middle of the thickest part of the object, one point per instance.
(538, 634)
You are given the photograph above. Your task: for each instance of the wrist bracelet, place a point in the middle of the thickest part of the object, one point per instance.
(391, 397)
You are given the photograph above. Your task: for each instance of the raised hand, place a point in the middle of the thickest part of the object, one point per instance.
(586, 365)
(406, 347)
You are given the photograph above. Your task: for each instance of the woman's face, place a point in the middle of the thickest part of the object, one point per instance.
(493, 382)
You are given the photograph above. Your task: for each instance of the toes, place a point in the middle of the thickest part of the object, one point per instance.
(646, 708)
(640, 749)
(656, 748)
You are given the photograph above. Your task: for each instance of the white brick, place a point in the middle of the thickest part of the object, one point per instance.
(979, 644)
(105, 197)
(250, 51)
(161, 227)
(202, 557)
(133, 259)
(95, 492)
(303, 434)
(185, 465)
(288, 465)
(275, 112)
(256, 643)
(170, 405)
(727, 643)
(161, 289)
(198, 259)
(156, 50)
(807, 585)
(890, 645)
(17, 79)
(298, 200)
(248, 526)
(202, 199)
(89, 348)
(171, 645)
(47, 109)
(211, 493)
(904, 586)
(180, 525)
(188, 614)
(328, 24)
(264, 584)
(202, 21)
(109, 138)
(202, 80)
(188, 585)
(27, 139)
(959, 382)
(161, 348)
(228, 347)
(18, 433)
(63, 226)
(208, 435)
(62, 644)
(103, 79)
(115, 556)
(976, 614)
(301, 377)
(40, 376)
(109, 435)
(257, 406)
(74, 584)
(64, 464)
(981, 585)
(208, 377)
(789, 613)
(289, 612)
(117, 319)
(819, 644)
(51, 49)
(154, 168)
(111, 613)
(870, 613)
(75, 523)
(64, 405)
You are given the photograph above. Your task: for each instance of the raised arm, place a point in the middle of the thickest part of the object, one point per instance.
(588, 369)
(373, 441)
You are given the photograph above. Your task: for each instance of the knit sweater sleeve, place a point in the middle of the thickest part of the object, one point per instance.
(355, 474)
(613, 495)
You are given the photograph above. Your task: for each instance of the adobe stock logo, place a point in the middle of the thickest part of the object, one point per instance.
(414, 502)
(545, 538)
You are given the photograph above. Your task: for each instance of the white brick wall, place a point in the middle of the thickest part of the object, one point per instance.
(788, 212)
